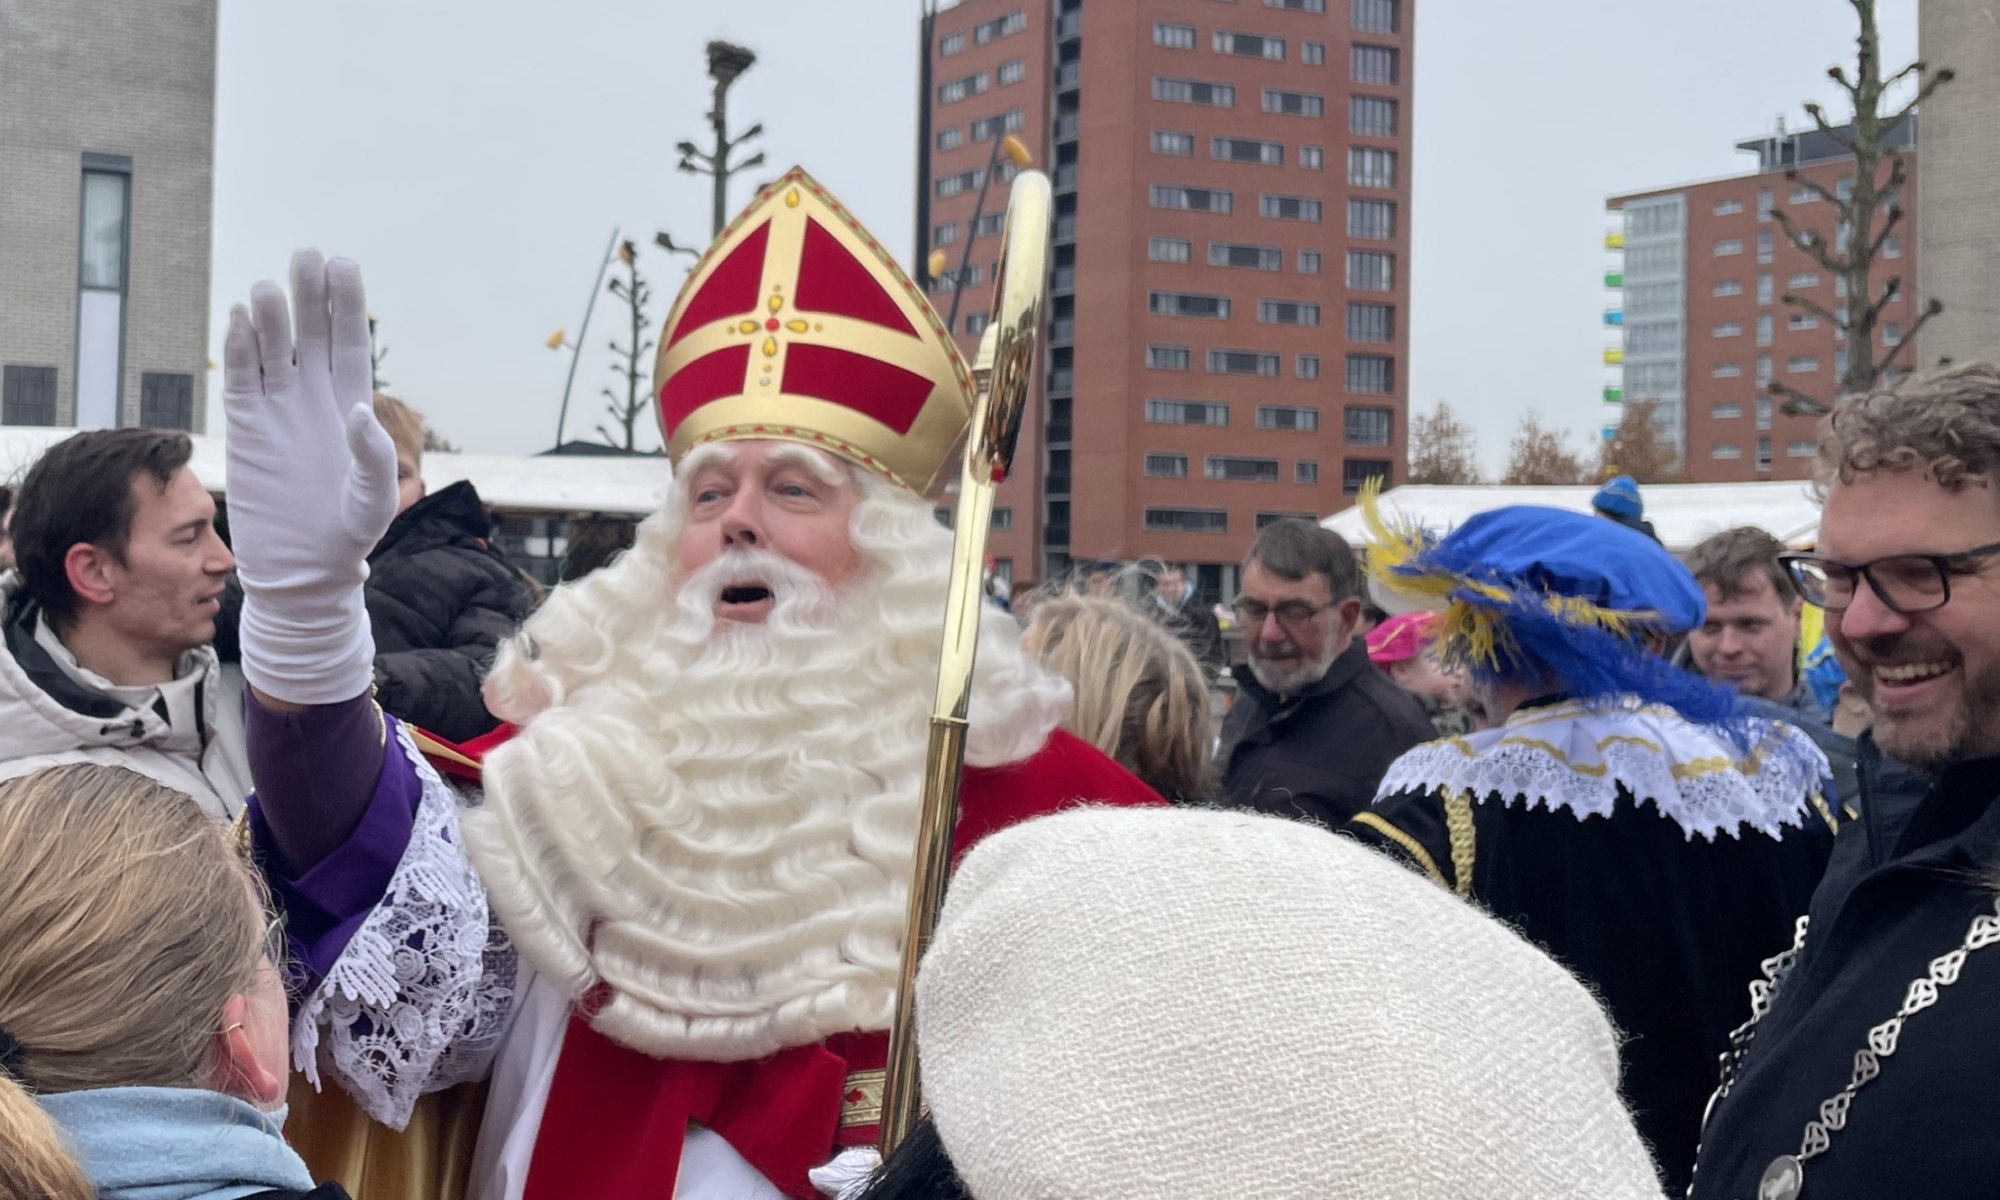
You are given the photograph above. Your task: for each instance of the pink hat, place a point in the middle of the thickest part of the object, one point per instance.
(1400, 638)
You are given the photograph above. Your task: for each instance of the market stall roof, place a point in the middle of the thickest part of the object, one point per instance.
(1682, 513)
(615, 485)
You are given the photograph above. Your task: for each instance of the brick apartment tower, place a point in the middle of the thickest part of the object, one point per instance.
(1228, 329)
(1705, 271)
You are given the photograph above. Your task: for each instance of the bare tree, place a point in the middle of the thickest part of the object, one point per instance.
(376, 353)
(1860, 236)
(631, 367)
(1540, 455)
(1442, 449)
(1637, 449)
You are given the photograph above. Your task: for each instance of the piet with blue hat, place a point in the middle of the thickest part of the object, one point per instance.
(1627, 815)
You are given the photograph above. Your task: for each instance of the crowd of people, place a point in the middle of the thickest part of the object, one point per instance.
(1521, 859)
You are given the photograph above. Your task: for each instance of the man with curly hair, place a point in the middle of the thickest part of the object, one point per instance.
(1867, 1067)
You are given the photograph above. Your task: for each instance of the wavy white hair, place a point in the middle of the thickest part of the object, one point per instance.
(710, 829)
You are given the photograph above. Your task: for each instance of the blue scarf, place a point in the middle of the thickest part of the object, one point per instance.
(150, 1143)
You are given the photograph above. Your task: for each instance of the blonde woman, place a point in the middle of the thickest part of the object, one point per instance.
(1140, 696)
(142, 1011)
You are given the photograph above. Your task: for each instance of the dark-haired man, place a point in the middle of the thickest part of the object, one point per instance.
(108, 616)
(1315, 725)
(1750, 638)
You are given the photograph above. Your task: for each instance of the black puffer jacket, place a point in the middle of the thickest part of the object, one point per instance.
(440, 600)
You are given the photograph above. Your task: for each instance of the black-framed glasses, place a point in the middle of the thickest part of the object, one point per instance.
(1904, 583)
(1292, 614)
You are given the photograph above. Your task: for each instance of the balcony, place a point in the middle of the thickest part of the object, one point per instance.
(1058, 433)
(1068, 75)
(1066, 127)
(1062, 280)
(1613, 355)
(1066, 228)
(1062, 380)
(1614, 241)
(1062, 331)
(1614, 395)
(1065, 177)
(1614, 316)
(1614, 279)
(1069, 25)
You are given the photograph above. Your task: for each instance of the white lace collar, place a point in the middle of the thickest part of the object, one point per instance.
(1577, 756)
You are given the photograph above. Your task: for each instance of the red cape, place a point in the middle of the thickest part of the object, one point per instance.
(616, 1118)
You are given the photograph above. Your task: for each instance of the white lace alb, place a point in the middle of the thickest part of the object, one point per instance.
(1578, 756)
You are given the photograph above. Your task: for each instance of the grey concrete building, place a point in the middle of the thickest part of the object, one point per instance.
(1958, 226)
(107, 154)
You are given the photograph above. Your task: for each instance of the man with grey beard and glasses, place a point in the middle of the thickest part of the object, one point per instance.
(1315, 725)
(1867, 1066)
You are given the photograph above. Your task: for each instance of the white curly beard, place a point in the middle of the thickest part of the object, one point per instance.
(715, 823)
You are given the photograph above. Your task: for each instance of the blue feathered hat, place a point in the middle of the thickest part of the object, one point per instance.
(1524, 590)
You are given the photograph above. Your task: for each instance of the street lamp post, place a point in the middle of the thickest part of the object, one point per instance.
(725, 63)
(1011, 148)
(557, 341)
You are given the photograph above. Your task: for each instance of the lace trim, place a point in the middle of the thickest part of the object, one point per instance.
(420, 996)
(1577, 757)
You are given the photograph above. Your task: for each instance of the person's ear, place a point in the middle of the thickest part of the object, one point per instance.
(1798, 608)
(93, 573)
(237, 1070)
(1348, 613)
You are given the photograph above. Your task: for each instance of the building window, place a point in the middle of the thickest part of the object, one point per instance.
(100, 320)
(1308, 366)
(1763, 454)
(1892, 335)
(1370, 271)
(1763, 245)
(1840, 363)
(1764, 288)
(1003, 520)
(1249, 45)
(1289, 208)
(953, 90)
(1306, 470)
(28, 395)
(1801, 449)
(1892, 247)
(949, 281)
(989, 225)
(1803, 194)
(1763, 412)
(1180, 145)
(1844, 187)
(1369, 426)
(1728, 411)
(1370, 374)
(1804, 279)
(1208, 200)
(1840, 287)
(1356, 472)
(1763, 369)
(1764, 202)
(1287, 312)
(1242, 362)
(1311, 158)
(945, 235)
(1801, 364)
(999, 27)
(1247, 150)
(1374, 219)
(1272, 518)
(1726, 450)
(1372, 64)
(1167, 358)
(1729, 329)
(951, 139)
(1309, 261)
(1728, 208)
(1371, 116)
(1194, 91)
(1763, 329)
(166, 401)
(1294, 104)
(1728, 246)
(1166, 466)
(992, 127)
(1185, 412)
(1173, 37)
(1313, 54)
(1187, 520)
(975, 323)
(1370, 322)
(1369, 167)
(1727, 370)
(950, 44)
(1305, 6)
(964, 181)
(1802, 321)
(1255, 258)
(1287, 417)
(1170, 250)
(1728, 287)
(1014, 70)
(1377, 16)
(1184, 304)
(1240, 470)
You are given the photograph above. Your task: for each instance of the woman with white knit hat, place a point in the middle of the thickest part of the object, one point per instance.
(1187, 1005)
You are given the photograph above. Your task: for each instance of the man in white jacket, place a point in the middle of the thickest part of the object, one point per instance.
(108, 618)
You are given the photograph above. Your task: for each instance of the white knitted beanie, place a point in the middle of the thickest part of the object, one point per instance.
(1178, 1004)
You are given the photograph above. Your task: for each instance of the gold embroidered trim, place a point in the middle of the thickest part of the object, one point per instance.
(1415, 849)
(1464, 841)
(861, 1104)
(1826, 814)
(426, 744)
(1692, 769)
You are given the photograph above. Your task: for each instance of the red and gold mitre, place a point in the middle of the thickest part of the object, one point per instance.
(797, 325)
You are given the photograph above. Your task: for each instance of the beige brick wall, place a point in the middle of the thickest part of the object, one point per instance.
(111, 77)
(1958, 223)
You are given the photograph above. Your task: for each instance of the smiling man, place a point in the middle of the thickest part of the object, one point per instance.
(1867, 1068)
(1750, 638)
(109, 615)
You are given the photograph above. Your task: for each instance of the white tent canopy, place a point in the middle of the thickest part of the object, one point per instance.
(1682, 513)
(610, 484)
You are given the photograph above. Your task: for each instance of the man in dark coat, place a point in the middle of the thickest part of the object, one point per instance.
(1188, 619)
(1623, 815)
(1867, 1069)
(1315, 724)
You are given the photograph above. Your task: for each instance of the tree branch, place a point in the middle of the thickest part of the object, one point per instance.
(1797, 403)
(1816, 186)
(1810, 241)
(1909, 337)
(1812, 306)
(1827, 127)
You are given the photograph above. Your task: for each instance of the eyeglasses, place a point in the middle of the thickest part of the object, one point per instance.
(1292, 614)
(1904, 583)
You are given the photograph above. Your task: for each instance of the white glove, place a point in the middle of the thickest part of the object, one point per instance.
(312, 482)
(848, 1174)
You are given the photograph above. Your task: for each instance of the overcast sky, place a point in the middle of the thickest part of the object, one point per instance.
(476, 157)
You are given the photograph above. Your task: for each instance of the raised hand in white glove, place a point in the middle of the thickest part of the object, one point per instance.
(312, 482)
